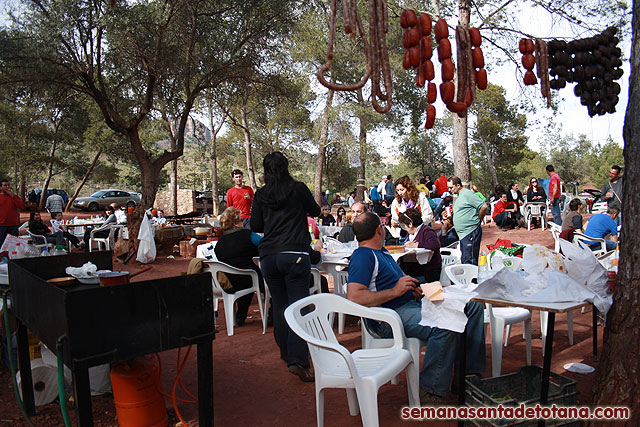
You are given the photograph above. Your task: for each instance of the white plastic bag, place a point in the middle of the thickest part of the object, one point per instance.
(537, 258)
(583, 266)
(147, 247)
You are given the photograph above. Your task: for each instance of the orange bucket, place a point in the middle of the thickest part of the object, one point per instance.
(137, 393)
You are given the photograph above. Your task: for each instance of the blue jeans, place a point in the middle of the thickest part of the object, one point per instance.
(437, 365)
(287, 276)
(555, 211)
(610, 245)
(470, 246)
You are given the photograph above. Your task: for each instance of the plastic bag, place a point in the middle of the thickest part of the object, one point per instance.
(19, 247)
(147, 246)
(536, 258)
(583, 266)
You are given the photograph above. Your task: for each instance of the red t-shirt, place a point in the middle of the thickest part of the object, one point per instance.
(240, 198)
(9, 214)
(500, 207)
(554, 181)
(441, 185)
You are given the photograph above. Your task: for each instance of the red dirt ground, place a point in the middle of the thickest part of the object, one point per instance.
(253, 387)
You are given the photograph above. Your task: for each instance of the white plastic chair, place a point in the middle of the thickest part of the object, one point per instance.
(40, 241)
(449, 256)
(499, 317)
(488, 218)
(370, 339)
(583, 241)
(534, 210)
(229, 299)
(337, 270)
(104, 243)
(362, 372)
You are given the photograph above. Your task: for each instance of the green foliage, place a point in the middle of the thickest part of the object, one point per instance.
(424, 151)
(498, 139)
(602, 158)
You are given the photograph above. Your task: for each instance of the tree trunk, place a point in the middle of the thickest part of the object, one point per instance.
(43, 195)
(322, 149)
(22, 186)
(362, 151)
(173, 174)
(617, 381)
(247, 148)
(461, 162)
(214, 160)
(490, 163)
(84, 180)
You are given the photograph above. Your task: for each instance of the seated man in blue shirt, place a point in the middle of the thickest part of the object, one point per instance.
(375, 279)
(603, 226)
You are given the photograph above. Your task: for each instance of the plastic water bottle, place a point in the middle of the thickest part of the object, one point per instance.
(45, 251)
(482, 262)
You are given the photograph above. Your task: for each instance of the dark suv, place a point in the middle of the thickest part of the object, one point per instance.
(60, 191)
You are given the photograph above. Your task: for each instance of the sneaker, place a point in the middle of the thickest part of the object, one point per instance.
(516, 227)
(303, 373)
(503, 229)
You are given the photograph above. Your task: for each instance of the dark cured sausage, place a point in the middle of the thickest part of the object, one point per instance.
(431, 117)
(447, 92)
(432, 93)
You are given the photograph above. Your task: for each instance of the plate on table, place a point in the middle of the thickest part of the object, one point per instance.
(89, 280)
(395, 249)
(62, 281)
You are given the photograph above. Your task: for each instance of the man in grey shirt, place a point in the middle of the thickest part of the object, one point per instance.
(55, 203)
(612, 190)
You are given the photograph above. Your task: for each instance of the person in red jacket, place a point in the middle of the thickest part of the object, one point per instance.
(240, 196)
(441, 185)
(10, 205)
(504, 213)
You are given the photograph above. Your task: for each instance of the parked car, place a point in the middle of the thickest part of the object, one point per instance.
(61, 192)
(103, 198)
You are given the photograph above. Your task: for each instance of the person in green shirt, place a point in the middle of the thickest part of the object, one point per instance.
(468, 211)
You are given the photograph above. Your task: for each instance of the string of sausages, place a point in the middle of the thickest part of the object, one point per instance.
(375, 50)
(470, 71)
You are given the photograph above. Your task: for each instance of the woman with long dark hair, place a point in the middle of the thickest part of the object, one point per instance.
(408, 197)
(280, 211)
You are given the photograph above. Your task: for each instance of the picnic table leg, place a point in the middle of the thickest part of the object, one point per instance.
(25, 374)
(595, 334)
(546, 367)
(205, 383)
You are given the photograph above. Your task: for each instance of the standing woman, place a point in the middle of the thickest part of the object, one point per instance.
(280, 211)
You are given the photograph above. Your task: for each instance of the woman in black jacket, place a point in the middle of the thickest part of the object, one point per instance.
(280, 211)
(36, 226)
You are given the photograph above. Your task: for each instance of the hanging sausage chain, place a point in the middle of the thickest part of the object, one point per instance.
(419, 50)
(593, 63)
(375, 50)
